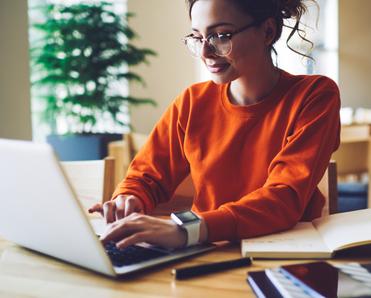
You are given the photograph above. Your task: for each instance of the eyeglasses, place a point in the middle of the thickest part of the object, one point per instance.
(219, 43)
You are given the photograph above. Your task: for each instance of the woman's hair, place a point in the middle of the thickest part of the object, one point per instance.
(279, 10)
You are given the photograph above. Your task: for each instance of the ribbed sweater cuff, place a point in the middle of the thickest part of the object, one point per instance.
(220, 224)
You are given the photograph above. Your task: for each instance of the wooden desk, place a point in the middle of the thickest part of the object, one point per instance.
(27, 274)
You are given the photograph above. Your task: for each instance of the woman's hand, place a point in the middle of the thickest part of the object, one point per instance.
(137, 228)
(122, 206)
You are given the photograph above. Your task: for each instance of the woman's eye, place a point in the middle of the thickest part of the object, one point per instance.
(195, 37)
(218, 37)
(223, 35)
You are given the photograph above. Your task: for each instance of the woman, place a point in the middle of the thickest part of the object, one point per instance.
(256, 140)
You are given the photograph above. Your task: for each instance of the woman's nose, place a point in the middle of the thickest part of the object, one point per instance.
(207, 50)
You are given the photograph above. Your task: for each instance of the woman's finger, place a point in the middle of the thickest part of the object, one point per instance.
(120, 230)
(137, 228)
(109, 210)
(96, 208)
(129, 206)
(120, 207)
(133, 205)
(143, 236)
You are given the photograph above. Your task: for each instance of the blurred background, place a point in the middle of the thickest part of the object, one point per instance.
(340, 33)
(341, 48)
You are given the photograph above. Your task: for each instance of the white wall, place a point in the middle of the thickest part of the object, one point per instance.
(15, 115)
(161, 24)
(354, 52)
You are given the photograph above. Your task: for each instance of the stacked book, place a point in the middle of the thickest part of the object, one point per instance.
(314, 279)
(322, 238)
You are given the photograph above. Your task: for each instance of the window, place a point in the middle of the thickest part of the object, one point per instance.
(324, 37)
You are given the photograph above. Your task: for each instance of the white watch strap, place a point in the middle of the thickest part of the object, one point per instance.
(193, 233)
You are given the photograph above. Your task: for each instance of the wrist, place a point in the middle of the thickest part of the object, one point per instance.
(190, 223)
(180, 235)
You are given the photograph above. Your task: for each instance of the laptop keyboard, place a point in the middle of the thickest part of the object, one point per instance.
(131, 255)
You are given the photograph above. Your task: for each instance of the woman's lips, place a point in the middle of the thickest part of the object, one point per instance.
(216, 68)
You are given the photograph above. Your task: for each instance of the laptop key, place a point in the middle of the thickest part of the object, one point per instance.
(131, 255)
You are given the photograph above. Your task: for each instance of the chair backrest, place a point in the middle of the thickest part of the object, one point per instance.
(353, 157)
(328, 187)
(132, 143)
(124, 152)
(92, 180)
(352, 154)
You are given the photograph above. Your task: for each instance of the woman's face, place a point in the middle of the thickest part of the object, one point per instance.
(249, 48)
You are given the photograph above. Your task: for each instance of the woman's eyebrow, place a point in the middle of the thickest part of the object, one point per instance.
(215, 25)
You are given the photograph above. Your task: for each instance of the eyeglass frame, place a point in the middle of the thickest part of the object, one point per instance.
(229, 35)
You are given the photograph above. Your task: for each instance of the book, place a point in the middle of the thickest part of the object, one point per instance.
(261, 285)
(289, 287)
(318, 239)
(321, 279)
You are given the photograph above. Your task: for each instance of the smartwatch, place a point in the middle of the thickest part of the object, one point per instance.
(190, 222)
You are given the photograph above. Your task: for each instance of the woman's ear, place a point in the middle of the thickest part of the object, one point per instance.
(270, 31)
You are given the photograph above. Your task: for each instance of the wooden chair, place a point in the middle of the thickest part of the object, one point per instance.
(353, 158)
(328, 187)
(132, 143)
(92, 180)
(124, 151)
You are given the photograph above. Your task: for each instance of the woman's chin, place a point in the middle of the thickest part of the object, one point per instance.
(223, 78)
(219, 81)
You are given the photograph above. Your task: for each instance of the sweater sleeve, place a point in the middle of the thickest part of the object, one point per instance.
(160, 166)
(293, 176)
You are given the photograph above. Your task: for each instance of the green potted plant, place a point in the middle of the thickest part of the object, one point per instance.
(80, 54)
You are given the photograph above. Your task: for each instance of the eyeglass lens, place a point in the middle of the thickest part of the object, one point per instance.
(220, 45)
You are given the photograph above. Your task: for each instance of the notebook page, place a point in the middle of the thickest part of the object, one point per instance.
(346, 229)
(300, 241)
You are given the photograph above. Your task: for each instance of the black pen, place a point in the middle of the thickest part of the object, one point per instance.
(187, 272)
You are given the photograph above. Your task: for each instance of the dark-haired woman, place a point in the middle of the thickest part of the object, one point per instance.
(256, 139)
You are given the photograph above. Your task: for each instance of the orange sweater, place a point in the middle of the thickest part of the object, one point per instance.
(255, 168)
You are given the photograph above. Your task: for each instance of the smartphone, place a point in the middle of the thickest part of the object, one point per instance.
(321, 279)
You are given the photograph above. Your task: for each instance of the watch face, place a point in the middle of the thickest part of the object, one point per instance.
(186, 216)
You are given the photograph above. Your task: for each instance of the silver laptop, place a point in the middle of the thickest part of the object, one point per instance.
(41, 212)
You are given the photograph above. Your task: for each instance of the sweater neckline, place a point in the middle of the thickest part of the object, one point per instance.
(256, 109)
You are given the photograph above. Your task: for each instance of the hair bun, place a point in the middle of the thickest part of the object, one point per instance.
(291, 8)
